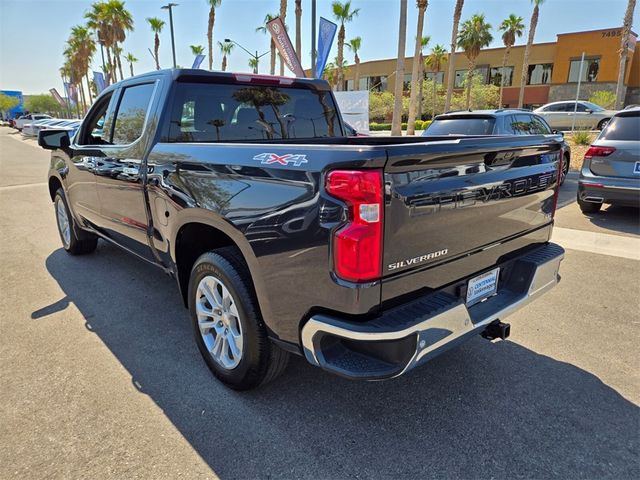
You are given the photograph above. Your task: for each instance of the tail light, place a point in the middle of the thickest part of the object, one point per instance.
(357, 247)
(598, 152)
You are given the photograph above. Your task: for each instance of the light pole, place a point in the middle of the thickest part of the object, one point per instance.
(169, 6)
(253, 55)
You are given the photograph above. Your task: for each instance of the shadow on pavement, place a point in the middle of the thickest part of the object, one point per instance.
(621, 219)
(481, 410)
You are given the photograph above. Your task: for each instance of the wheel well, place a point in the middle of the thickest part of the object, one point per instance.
(54, 185)
(193, 240)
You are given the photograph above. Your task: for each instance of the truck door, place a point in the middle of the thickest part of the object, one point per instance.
(119, 175)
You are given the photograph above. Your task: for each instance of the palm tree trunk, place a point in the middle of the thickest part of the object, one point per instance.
(624, 47)
(411, 121)
(131, 67)
(109, 66)
(504, 65)
(283, 17)
(356, 74)
(396, 123)
(224, 63)
(272, 70)
(435, 95)
(340, 59)
(119, 61)
(156, 48)
(472, 66)
(527, 50)
(299, 29)
(89, 88)
(457, 13)
(212, 21)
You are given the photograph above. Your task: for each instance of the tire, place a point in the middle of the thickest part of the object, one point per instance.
(565, 169)
(603, 123)
(229, 330)
(589, 207)
(74, 240)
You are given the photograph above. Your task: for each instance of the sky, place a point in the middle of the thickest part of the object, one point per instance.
(33, 32)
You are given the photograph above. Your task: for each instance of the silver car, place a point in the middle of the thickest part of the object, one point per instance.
(587, 115)
(611, 169)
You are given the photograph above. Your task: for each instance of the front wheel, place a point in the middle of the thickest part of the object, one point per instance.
(73, 239)
(227, 324)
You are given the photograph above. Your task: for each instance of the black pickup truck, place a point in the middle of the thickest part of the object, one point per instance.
(366, 255)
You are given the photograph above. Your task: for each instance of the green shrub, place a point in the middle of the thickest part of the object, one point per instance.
(377, 127)
(604, 98)
(582, 137)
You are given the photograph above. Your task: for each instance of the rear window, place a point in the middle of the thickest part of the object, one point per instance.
(219, 113)
(461, 126)
(622, 128)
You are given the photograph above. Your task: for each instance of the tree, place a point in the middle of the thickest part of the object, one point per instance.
(511, 27)
(156, 27)
(97, 20)
(213, 4)
(129, 57)
(474, 35)
(268, 17)
(253, 64)
(197, 49)
(80, 49)
(343, 13)
(604, 98)
(43, 103)
(457, 13)
(283, 17)
(225, 49)
(299, 29)
(624, 48)
(415, 70)
(354, 45)
(527, 50)
(434, 61)
(121, 22)
(483, 96)
(396, 122)
(7, 103)
(424, 42)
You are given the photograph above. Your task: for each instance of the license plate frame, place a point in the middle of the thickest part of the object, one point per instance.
(477, 291)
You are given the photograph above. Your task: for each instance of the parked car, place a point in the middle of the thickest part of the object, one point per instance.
(32, 129)
(29, 118)
(505, 121)
(611, 169)
(560, 115)
(366, 255)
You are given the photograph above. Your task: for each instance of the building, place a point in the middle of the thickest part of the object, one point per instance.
(553, 71)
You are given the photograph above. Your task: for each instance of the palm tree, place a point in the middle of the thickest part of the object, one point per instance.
(624, 47)
(97, 20)
(527, 50)
(283, 17)
(225, 49)
(457, 13)
(253, 64)
(299, 29)
(268, 17)
(354, 45)
(343, 14)
(434, 61)
(197, 49)
(474, 35)
(424, 42)
(213, 4)
(415, 70)
(512, 28)
(396, 122)
(131, 59)
(81, 48)
(156, 27)
(121, 22)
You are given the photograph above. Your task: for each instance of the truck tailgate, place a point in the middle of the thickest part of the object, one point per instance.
(464, 203)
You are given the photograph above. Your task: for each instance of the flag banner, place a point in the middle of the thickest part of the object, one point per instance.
(98, 79)
(326, 34)
(197, 61)
(283, 42)
(68, 92)
(59, 99)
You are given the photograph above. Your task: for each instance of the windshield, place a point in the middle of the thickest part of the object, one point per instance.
(593, 106)
(461, 126)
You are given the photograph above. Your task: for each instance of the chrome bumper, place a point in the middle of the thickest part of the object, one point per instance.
(405, 336)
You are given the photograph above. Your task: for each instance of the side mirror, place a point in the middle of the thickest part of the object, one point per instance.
(588, 110)
(54, 139)
(558, 132)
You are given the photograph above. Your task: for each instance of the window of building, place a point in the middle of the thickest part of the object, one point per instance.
(589, 70)
(406, 83)
(495, 76)
(374, 83)
(482, 73)
(438, 76)
(540, 74)
(461, 76)
(132, 111)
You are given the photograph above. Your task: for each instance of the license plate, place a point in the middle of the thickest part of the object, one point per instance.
(482, 286)
(636, 169)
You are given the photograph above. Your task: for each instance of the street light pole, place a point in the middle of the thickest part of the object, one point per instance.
(255, 56)
(169, 7)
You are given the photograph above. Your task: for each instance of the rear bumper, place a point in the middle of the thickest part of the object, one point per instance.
(617, 190)
(410, 334)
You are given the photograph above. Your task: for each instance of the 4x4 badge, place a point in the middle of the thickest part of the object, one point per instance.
(271, 158)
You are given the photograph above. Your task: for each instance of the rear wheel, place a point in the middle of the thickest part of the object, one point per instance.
(603, 123)
(74, 240)
(589, 207)
(227, 324)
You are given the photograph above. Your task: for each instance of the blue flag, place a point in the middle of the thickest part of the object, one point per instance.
(70, 93)
(98, 79)
(197, 61)
(326, 34)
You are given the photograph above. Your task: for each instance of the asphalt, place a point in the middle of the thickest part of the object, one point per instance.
(100, 377)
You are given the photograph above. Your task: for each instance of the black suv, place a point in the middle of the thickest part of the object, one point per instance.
(508, 121)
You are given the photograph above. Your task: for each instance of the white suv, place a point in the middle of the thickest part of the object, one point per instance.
(32, 117)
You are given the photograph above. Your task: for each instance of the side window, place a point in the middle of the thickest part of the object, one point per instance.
(94, 131)
(521, 124)
(538, 126)
(132, 111)
(581, 108)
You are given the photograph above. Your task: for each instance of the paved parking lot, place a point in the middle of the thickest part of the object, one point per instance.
(100, 377)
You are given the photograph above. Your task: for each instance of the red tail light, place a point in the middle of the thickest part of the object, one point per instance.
(357, 247)
(598, 152)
